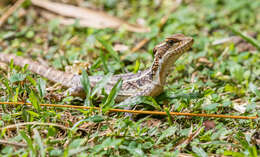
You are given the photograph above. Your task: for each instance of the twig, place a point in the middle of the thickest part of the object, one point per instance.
(87, 17)
(13, 143)
(138, 111)
(188, 139)
(139, 45)
(38, 123)
(10, 11)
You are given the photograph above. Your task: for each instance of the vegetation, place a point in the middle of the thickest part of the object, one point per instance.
(215, 77)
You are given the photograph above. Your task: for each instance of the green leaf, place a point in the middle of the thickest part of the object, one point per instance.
(38, 140)
(137, 66)
(253, 151)
(56, 152)
(112, 95)
(15, 98)
(31, 80)
(6, 117)
(254, 89)
(33, 99)
(168, 115)
(29, 143)
(151, 101)
(11, 65)
(167, 133)
(17, 77)
(7, 150)
(237, 72)
(33, 113)
(94, 119)
(211, 106)
(135, 151)
(108, 143)
(51, 131)
(30, 34)
(95, 65)
(199, 151)
(41, 87)
(104, 62)
(234, 154)
(76, 143)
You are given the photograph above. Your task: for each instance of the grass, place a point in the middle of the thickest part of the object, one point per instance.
(217, 79)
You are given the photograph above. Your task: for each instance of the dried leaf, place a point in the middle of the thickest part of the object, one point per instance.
(240, 107)
(3, 66)
(153, 122)
(87, 17)
(77, 67)
(205, 60)
(209, 124)
(120, 47)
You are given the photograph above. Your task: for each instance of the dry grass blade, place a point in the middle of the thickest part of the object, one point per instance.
(5, 142)
(10, 11)
(87, 17)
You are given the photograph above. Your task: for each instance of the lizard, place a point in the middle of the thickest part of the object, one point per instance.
(149, 82)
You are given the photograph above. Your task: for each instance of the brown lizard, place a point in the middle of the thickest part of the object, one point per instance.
(149, 82)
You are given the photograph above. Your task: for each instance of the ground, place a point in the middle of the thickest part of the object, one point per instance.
(215, 77)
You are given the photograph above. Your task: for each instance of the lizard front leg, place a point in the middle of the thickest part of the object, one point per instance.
(76, 91)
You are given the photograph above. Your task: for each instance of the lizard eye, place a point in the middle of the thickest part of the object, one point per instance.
(171, 42)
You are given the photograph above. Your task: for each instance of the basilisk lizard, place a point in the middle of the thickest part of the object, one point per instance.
(149, 82)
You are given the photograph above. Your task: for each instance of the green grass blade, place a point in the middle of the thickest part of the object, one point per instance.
(86, 86)
(41, 87)
(104, 62)
(109, 48)
(249, 39)
(168, 115)
(29, 143)
(38, 140)
(137, 65)
(199, 151)
(112, 95)
(33, 99)
(166, 133)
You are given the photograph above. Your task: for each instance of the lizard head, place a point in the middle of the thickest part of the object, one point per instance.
(168, 52)
(178, 44)
(172, 44)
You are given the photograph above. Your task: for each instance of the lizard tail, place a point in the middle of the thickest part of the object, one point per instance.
(51, 74)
